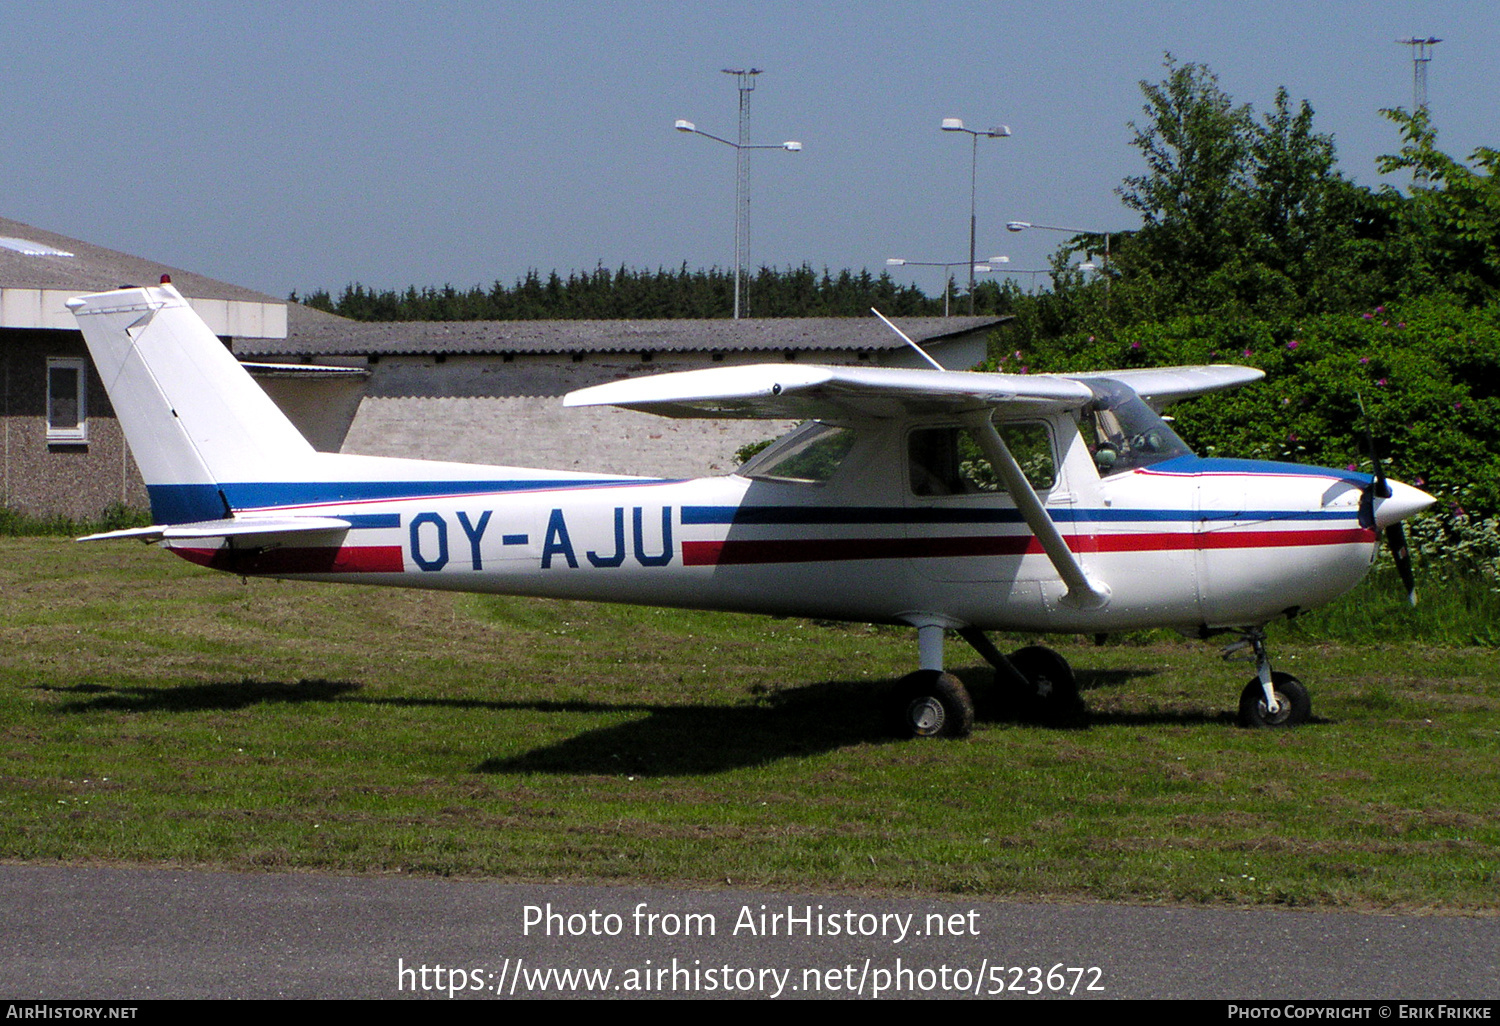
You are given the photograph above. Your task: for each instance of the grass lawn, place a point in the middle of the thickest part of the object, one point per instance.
(155, 713)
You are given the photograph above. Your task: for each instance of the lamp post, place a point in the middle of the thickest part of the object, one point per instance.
(1021, 226)
(742, 173)
(947, 278)
(996, 132)
(997, 265)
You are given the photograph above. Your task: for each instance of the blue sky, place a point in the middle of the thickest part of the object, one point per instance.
(296, 146)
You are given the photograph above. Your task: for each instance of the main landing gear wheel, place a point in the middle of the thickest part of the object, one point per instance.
(1294, 704)
(1053, 693)
(931, 703)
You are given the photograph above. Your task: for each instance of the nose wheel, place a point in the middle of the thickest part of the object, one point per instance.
(1272, 698)
(1293, 703)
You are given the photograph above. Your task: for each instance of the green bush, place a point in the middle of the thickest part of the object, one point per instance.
(1422, 378)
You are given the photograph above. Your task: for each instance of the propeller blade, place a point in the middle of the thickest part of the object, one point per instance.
(1382, 490)
(1379, 488)
(1395, 538)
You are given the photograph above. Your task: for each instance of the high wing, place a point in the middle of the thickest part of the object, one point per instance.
(1162, 386)
(791, 392)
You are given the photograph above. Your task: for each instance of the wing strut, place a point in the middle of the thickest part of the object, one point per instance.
(1083, 592)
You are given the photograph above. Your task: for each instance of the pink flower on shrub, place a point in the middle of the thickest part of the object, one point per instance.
(1363, 360)
(1293, 344)
(1381, 382)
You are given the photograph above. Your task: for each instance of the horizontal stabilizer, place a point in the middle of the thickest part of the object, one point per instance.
(242, 528)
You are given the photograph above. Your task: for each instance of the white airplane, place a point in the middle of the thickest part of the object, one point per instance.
(943, 500)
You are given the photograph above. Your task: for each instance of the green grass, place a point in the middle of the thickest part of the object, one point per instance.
(1454, 609)
(14, 524)
(153, 713)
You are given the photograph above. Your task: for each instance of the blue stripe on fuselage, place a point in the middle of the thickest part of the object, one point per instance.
(371, 521)
(185, 504)
(1261, 468)
(742, 515)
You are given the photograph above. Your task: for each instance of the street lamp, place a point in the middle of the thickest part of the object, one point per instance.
(1021, 226)
(947, 277)
(742, 173)
(996, 132)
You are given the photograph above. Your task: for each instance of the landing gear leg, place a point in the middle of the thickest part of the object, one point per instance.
(1272, 698)
(1038, 677)
(930, 702)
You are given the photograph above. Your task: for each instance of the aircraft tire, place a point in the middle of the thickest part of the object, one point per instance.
(931, 703)
(1291, 695)
(1054, 695)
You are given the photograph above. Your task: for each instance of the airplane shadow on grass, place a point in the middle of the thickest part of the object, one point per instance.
(670, 740)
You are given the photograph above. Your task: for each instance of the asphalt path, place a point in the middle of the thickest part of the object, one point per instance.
(93, 933)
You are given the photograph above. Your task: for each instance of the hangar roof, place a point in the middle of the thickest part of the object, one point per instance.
(40, 269)
(359, 338)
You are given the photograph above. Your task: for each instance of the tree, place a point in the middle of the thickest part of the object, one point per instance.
(1240, 214)
(1450, 222)
(1195, 146)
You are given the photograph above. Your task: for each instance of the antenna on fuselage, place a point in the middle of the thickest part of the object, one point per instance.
(907, 339)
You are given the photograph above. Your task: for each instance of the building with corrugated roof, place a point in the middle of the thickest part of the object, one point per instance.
(491, 391)
(473, 391)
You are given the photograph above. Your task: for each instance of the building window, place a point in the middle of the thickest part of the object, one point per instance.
(67, 416)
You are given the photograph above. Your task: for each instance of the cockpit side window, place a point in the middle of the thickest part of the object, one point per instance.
(948, 461)
(810, 454)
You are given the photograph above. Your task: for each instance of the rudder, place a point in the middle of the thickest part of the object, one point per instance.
(192, 415)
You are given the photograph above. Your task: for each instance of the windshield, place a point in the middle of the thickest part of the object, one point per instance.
(810, 454)
(1123, 433)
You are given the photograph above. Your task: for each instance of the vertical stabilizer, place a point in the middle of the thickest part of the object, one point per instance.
(193, 416)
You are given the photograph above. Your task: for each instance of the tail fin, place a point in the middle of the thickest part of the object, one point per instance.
(194, 418)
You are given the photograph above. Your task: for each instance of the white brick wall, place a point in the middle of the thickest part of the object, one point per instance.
(484, 410)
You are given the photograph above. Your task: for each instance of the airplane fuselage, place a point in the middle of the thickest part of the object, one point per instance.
(1187, 543)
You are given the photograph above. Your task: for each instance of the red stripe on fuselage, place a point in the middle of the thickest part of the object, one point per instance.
(1231, 540)
(312, 559)
(722, 553)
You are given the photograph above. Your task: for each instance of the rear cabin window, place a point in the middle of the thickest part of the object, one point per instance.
(808, 455)
(948, 461)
